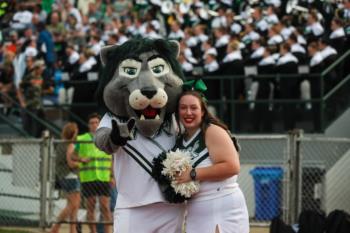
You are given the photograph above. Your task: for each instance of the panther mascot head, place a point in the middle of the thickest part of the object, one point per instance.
(142, 80)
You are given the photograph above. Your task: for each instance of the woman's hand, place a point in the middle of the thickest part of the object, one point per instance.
(184, 177)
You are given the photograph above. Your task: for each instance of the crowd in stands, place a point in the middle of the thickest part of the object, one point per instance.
(219, 37)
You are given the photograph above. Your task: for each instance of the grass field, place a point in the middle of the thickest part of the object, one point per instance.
(13, 231)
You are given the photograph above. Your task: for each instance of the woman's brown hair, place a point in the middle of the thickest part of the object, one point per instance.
(69, 131)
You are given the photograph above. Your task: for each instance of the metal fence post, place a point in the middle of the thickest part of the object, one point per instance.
(294, 188)
(51, 179)
(43, 180)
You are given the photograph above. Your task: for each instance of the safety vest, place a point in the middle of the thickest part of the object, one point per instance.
(99, 166)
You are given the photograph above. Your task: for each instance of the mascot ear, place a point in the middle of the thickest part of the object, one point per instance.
(176, 46)
(104, 53)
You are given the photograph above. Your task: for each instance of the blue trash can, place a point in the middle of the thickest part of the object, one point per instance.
(267, 186)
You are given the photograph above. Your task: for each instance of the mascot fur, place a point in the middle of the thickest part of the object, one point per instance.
(140, 86)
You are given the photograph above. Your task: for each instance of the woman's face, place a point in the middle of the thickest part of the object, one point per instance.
(190, 112)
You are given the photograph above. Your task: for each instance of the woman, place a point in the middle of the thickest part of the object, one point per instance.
(219, 206)
(68, 179)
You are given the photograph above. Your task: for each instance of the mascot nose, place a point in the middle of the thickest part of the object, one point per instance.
(149, 92)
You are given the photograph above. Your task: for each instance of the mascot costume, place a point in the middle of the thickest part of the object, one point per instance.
(140, 87)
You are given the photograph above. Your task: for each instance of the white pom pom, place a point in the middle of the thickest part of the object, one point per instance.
(179, 161)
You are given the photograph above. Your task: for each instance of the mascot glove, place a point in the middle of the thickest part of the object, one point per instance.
(120, 133)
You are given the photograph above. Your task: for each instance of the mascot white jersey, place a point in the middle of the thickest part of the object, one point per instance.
(140, 85)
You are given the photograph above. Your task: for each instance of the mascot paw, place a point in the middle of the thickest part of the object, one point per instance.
(121, 132)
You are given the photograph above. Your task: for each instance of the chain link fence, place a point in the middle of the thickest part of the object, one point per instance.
(324, 180)
(67, 181)
(20, 185)
(281, 175)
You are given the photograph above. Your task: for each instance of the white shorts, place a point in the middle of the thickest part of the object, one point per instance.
(153, 218)
(228, 213)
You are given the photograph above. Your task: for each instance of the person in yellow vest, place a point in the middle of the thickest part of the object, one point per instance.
(95, 173)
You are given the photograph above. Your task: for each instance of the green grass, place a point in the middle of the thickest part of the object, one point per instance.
(13, 231)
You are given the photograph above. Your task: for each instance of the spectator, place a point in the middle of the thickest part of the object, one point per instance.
(72, 63)
(316, 67)
(186, 66)
(206, 48)
(337, 36)
(22, 18)
(151, 32)
(30, 97)
(232, 64)
(95, 174)
(258, 52)
(219, 21)
(46, 48)
(329, 56)
(176, 32)
(289, 86)
(271, 18)
(6, 80)
(297, 49)
(211, 68)
(12, 45)
(222, 39)
(264, 89)
(249, 34)
(66, 173)
(259, 21)
(275, 37)
(314, 29)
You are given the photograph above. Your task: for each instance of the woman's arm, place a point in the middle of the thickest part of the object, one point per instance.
(223, 155)
(72, 163)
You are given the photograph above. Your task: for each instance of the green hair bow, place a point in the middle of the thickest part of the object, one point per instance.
(195, 85)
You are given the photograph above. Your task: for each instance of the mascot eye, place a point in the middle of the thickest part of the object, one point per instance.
(158, 66)
(130, 70)
(158, 69)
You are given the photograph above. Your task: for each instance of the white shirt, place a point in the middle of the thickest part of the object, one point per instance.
(153, 35)
(262, 25)
(287, 31)
(219, 22)
(276, 39)
(271, 19)
(73, 58)
(328, 51)
(135, 186)
(267, 61)
(222, 41)
(212, 51)
(337, 33)
(87, 65)
(235, 55)
(250, 37)
(176, 35)
(297, 48)
(21, 19)
(316, 59)
(192, 41)
(202, 37)
(186, 66)
(258, 53)
(288, 57)
(315, 28)
(211, 67)
(236, 28)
